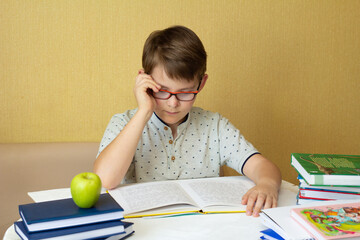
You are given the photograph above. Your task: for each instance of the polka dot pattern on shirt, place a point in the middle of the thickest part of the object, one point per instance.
(204, 142)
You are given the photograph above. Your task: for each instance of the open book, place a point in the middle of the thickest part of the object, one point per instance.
(206, 195)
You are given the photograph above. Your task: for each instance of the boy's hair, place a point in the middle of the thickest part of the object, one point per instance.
(179, 50)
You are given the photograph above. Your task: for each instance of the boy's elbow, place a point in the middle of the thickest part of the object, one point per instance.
(109, 185)
(106, 181)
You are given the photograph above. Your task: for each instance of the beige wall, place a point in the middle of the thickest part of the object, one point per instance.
(286, 73)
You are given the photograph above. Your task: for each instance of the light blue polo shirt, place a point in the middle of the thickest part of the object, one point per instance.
(205, 141)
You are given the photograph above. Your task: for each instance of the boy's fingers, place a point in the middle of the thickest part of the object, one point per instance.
(250, 204)
(245, 198)
(274, 202)
(142, 77)
(268, 202)
(261, 198)
(147, 82)
(146, 79)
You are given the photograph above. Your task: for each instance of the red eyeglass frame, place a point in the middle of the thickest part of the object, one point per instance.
(175, 93)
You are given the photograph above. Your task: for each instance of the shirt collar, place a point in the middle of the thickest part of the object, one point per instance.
(161, 124)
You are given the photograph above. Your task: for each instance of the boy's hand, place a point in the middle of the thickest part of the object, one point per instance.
(144, 84)
(267, 178)
(263, 194)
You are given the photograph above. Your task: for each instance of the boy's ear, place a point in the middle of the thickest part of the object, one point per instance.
(203, 81)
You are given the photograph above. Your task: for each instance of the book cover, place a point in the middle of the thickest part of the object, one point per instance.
(104, 230)
(65, 213)
(330, 221)
(328, 169)
(127, 233)
(271, 234)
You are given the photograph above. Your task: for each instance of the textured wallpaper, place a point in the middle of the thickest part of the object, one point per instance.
(286, 73)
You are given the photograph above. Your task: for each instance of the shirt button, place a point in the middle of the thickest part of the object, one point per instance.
(173, 158)
(166, 128)
(171, 141)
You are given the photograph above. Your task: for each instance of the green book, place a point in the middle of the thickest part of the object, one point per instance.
(328, 169)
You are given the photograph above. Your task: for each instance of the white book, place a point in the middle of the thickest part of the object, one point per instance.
(304, 185)
(279, 220)
(301, 201)
(206, 195)
(327, 195)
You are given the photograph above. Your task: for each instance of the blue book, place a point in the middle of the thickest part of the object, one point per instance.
(128, 232)
(65, 213)
(271, 234)
(103, 230)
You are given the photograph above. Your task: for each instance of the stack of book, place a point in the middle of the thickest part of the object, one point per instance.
(324, 220)
(327, 177)
(63, 219)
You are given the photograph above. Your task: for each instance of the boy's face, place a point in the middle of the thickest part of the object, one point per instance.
(172, 111)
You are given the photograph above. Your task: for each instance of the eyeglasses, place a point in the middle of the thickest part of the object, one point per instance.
(181, 96)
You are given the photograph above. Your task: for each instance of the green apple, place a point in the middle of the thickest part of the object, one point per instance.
(85, 189)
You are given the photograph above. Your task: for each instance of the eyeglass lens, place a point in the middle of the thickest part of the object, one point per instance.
(179, 96)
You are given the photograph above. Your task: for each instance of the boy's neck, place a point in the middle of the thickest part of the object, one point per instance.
(173, 127)
(174, 131)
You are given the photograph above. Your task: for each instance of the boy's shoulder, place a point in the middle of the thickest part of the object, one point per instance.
(197, 112)
(199, 116)
(124, 116)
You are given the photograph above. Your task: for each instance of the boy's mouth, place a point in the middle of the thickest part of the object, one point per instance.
(171, 113)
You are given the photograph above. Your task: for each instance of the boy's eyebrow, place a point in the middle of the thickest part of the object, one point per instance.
(178, 90)
(181, 89)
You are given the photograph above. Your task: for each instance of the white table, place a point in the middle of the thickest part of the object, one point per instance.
(206, 226)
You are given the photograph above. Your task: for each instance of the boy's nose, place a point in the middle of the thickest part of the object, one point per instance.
(173, 101)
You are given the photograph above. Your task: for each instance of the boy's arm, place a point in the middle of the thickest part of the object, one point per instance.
(113, 162)
(267, 177)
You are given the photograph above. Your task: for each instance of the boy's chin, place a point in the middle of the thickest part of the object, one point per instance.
(172, 120)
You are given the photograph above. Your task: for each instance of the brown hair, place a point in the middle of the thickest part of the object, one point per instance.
(179, 50)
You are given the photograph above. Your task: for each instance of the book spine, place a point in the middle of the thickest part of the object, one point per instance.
(312, 198)
(328, 190)
(327, 195)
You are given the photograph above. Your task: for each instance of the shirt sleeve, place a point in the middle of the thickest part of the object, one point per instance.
(116, 124)
(235, 150)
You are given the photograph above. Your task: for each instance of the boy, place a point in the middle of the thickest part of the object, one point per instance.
(167, 138)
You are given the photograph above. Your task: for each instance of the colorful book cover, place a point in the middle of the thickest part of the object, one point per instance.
(336, 221)
(328, 169)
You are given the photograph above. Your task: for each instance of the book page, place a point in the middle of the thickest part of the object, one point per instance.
(223, 191)
(146, 196)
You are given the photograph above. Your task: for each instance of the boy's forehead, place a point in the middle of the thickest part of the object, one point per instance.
(159, 75)
(176, 84)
